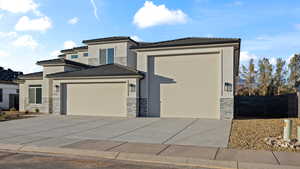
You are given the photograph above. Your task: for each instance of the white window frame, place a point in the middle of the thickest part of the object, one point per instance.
(35, 87)
(106, 55)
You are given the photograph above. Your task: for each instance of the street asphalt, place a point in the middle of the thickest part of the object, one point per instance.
(10, 160)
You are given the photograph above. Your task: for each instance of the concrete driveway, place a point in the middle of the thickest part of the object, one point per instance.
(58, 131)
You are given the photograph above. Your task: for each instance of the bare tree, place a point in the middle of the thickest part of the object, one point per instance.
(294, 68)
(265, 70)
(249, 74)
(279, 79)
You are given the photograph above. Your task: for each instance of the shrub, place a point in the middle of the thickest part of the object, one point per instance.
(37, 110)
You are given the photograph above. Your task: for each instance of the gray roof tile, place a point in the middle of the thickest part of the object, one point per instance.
(103, 70)
(189, 41)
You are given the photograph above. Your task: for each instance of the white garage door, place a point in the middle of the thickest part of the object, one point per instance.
(184, 86)
(96, 99)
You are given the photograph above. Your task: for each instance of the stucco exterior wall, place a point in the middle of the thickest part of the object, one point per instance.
(7, 90)
(81, 58)
(120, 52)
(46, 97)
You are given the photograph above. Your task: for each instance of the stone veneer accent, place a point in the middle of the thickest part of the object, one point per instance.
(132, 107)
(226, 108)
(143, 107)
(56, 100)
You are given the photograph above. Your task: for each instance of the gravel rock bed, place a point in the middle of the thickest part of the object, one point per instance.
(251, 134)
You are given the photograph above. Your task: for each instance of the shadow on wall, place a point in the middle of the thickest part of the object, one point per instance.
(155, 82)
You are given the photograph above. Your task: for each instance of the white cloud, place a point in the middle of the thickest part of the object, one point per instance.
(25, 41)
(152, 15)
(7, 35)
(136, 38)
(27, 24)
(18, 6)
(95, 9)
(69, 44)
(246, 56)
(3, 54)
(73, 21)
(55, 53)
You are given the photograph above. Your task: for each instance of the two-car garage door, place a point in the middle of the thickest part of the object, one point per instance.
(96, 99)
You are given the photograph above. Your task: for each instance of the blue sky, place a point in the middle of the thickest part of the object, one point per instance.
(32, 30)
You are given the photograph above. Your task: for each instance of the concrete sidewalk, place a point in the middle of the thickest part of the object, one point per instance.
(171, 154)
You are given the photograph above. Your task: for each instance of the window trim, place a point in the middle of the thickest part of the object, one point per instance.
(106, 56)
(35, 87)
(77, 56)
(85, 54)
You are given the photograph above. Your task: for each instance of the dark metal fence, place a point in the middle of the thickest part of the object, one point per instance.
(266, 106)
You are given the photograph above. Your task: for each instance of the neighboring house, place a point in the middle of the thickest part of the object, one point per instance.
(117, 76)
(9, 90)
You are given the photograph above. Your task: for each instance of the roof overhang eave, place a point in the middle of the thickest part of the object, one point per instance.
(98, 77)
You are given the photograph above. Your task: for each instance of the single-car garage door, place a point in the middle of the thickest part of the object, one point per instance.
(96, 99)
(184, 86)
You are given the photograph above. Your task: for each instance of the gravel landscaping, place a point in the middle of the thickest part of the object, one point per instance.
(250, 134)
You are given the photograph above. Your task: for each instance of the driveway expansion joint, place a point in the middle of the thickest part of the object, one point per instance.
(180, 131)
(277, 160)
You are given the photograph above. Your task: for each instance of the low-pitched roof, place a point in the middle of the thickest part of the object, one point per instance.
(75, 48)
(113, 38)
(62, 61)
(7, 82)
(98, 71)
(31, 75)
(189, 41)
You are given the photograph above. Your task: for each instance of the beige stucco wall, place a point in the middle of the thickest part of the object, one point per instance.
(81, 58)
(225, 65)
(46, 99)
(123, 54)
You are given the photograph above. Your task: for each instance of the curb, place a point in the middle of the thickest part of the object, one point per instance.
(181, 161)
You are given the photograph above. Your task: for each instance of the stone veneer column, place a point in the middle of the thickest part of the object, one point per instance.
(56, 100)
(226, 108)
(132, 107)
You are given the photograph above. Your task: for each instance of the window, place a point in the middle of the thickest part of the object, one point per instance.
(74, 56)
(107, 56)
(85, 54)
(1, 95)
(35, 94)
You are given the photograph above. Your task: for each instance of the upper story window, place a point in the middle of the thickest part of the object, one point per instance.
(35, 94)
(74, 56)
(85, 54)
(107, 56)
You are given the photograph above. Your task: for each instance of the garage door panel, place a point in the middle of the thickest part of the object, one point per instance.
(195, 87)
(96, 99)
